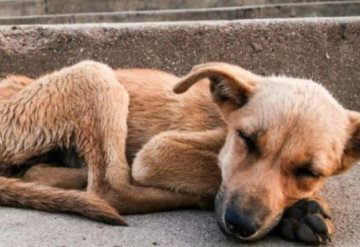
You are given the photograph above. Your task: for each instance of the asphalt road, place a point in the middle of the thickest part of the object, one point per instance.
(183, 228)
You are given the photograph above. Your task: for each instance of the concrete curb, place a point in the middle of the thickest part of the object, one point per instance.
(325, 49)
(316, 9)
(22, 7)
(49, 7)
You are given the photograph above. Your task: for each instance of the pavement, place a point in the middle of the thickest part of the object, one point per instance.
(27, 228)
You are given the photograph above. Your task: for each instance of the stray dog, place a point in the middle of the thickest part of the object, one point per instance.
(263, 146)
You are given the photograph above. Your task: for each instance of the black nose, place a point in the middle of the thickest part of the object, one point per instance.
(240, 224)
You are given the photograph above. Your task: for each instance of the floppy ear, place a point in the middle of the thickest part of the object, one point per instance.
(352, 148)
(230, 85)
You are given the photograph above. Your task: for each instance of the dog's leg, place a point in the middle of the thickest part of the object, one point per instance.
(307, 221)
(83, 105)
(184, 162)
(60, 177)
(125, 201)
(13, 84)
(181, 165)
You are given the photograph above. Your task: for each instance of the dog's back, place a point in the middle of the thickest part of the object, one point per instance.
(155, 108)
(152, 101)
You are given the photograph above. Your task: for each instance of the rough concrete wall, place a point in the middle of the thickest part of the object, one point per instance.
(327, 50)
(41, 7)
(22, 7)
(319, 9)
(77, 6)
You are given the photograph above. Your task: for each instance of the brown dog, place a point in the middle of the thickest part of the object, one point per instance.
(277, 139)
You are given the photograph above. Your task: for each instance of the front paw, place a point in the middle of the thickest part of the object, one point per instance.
(307, 222)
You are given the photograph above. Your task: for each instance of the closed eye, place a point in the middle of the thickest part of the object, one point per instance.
(307, 172)
(249, 142)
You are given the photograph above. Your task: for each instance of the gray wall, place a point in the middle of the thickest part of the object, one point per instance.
(318, 9)
(39, 7)
(327, 50)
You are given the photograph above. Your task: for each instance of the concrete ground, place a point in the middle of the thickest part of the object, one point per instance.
(182, 228)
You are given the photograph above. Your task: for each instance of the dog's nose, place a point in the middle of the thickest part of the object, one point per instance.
(240, 224)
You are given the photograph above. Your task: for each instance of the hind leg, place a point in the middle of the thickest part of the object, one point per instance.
(76, 178)
(83, 106)
(12, 84)
(167, 180)
(55, 176)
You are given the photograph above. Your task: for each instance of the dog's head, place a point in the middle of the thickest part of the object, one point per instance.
(286, 136)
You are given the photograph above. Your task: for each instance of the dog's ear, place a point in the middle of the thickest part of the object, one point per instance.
(351, 152)
(230, 85)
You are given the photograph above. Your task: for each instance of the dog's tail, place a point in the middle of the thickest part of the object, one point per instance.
(15, 193)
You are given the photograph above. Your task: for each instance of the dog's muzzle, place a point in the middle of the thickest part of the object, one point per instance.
(239, 224)
(244, 221)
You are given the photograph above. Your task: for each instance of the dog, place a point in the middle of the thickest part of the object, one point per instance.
(97, 142)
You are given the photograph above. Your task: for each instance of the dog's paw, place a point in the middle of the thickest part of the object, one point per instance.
(307, 222)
